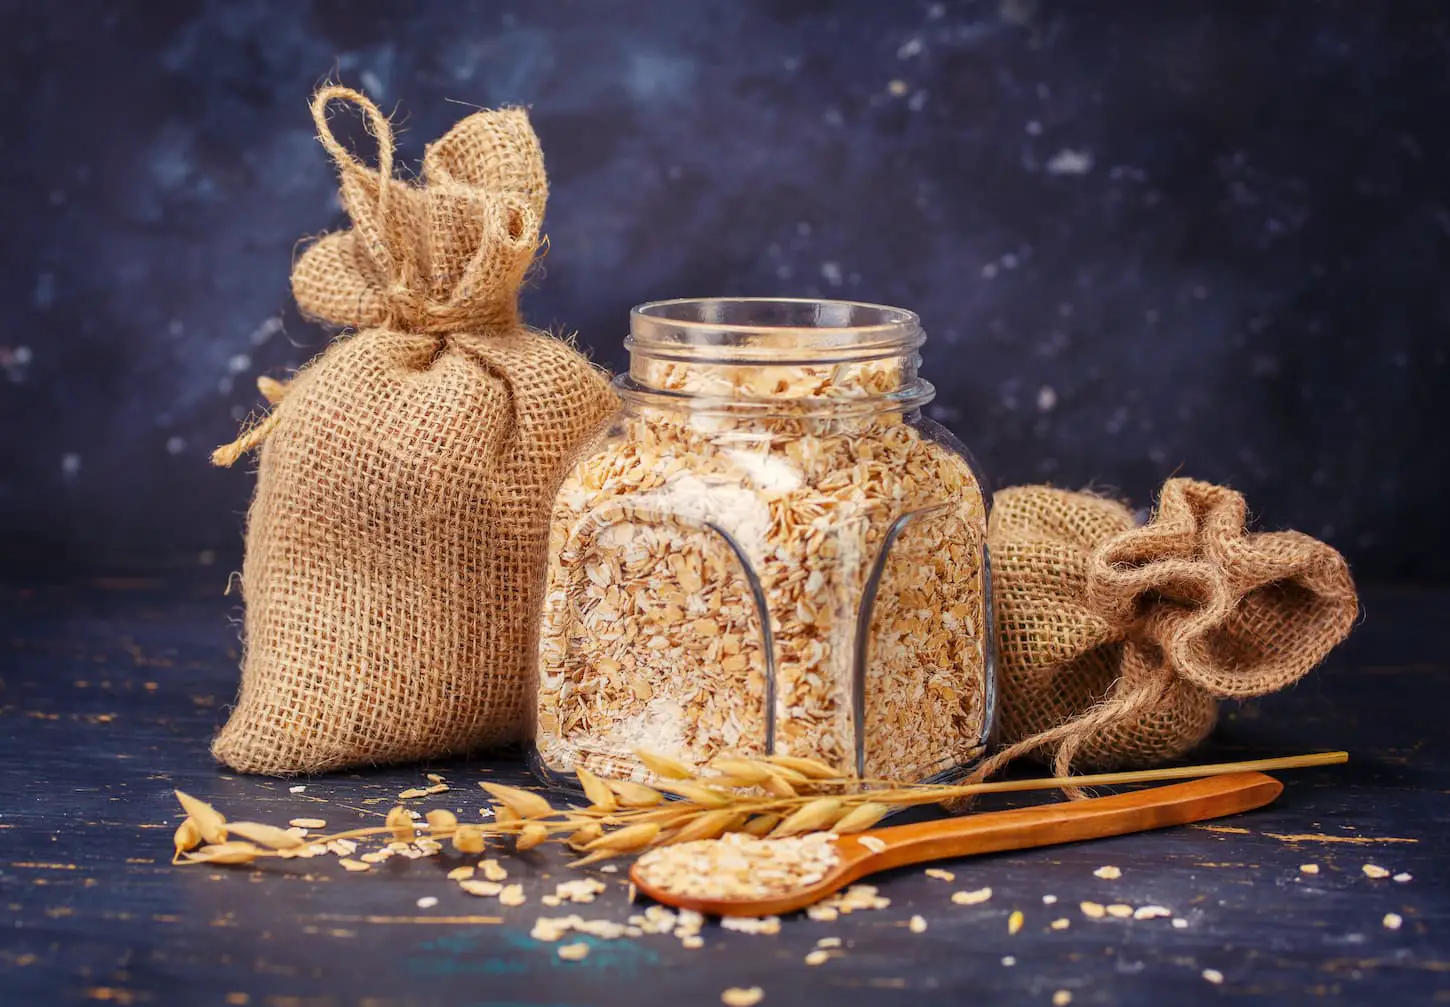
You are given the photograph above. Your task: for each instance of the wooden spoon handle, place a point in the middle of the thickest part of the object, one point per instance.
(1071, 821)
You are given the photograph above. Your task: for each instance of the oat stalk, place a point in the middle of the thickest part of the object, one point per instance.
(775, 796)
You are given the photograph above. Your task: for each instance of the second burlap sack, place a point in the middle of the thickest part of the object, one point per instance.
(1116, 642)
(394, 543)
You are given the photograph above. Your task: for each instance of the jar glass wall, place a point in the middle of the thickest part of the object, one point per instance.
(769, 550)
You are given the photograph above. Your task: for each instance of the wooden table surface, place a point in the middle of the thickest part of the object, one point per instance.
(111, 689)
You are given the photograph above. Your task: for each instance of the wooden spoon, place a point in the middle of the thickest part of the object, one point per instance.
(992, 832)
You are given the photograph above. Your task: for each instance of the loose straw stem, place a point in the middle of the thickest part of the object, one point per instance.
(1109, 779)
(899, 797)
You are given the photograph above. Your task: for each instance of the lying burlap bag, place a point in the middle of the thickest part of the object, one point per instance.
(1116, 641)
(395, 542)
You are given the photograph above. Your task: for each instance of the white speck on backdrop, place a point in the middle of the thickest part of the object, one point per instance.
(269, 328)
(831, 273)
(372, 85)
(1070, 162)
(70, 464)
(175, 445)
(911, 47)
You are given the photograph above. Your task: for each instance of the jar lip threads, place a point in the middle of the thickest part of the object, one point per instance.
(770, 355)
(772, 330)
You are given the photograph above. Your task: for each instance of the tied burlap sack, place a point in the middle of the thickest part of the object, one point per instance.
(395, 542)
(1116, 641)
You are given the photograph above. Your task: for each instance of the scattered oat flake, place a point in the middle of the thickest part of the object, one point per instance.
(692, 941)
(609, 868)
(872, 843)
(1009, 960)
(1180, 924)
(574, 952)
(1308, 868)
(1092, 910)
(434, 778)
(492, 870)
(737, 996)
(1120, 910)
(917, 924)
(1108, 873)
(769, 925)
(1213, 975)
(513, 895)
(939, 874)
(461, 873)
(1374, 871)
(1061, 998)
(308, 823)
(438, 788)
(551, 900)
(829, 942)
(1151, 912)
(818, 957)
(428, 902)
(354, 865)
(1393, 921)
(413, 792)
(482, 888)
(296, 790)
(1014, 922)
(1060, 924)
(1403, 876)
(1049, 900)
(972, 898)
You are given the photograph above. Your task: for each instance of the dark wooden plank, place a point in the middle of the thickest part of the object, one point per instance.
(111, 690)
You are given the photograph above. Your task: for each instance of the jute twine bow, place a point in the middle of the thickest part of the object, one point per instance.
(446, 255)
(1118, 641)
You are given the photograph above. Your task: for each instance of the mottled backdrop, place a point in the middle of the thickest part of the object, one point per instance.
(1146, 238)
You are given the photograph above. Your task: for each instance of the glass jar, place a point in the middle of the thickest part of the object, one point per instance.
(768, 550)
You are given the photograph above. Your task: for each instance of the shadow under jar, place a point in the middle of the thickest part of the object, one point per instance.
(768, 550)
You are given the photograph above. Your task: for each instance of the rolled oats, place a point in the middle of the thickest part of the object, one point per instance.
(668, 536)
(741, 866)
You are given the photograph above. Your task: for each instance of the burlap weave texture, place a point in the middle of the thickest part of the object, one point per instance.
(1117, 641)
(395, 540)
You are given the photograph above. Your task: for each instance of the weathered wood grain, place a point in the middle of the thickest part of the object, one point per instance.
(110, 690)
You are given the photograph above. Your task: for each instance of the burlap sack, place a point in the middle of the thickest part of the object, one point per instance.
(395, 541)
(1117, 642)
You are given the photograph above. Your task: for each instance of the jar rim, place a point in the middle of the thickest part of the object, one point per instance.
(771, 328)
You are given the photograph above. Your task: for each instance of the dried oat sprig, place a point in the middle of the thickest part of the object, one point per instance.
(626, 817)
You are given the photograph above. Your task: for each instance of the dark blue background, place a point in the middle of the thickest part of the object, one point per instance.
(1146, 238)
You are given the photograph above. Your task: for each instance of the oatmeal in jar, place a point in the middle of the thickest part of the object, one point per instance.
(768, 550)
